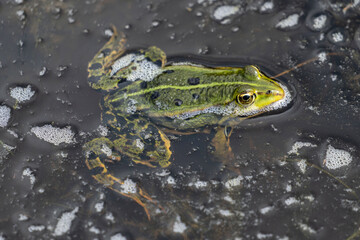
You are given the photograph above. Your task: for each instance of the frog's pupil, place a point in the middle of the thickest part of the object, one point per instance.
(246, 97)
(155, 95)
(178, 102)
(268, 91)
(194, 81)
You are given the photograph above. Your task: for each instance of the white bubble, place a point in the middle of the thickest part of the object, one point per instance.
(199, 184)
(99, 206)
(117, 236)
(4, 115)
(267, 6)
(128, 186)
(298, 145)
(288, 22)
(302, 165)
(36, 228)
(22, 94)
(337, 37)
(336, 158)
(291, 200)
(265, 210)
(54, 135)
(225, 213)
(139, 144)
(94, 230)
(225, 11)
(106, 150)
(64, 223)
(179, 226)
(319, 22)
(322, 57)
(170, 180)
(29, 173)
(231, 183)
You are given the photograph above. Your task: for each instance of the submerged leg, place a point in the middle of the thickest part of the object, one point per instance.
(221, 143)
(135, 139)
(103, 176)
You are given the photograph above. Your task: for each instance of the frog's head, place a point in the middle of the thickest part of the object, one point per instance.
(260, 94)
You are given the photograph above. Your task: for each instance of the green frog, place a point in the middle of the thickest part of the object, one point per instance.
(144, 98)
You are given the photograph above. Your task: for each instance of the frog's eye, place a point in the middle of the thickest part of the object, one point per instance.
(246, 98)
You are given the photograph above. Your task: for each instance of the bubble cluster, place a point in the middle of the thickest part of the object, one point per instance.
(64, 223)
(319, 22)
(231, 183)
(117, 236)
(128, 186)
(5, 150)
(22, 94)
(179, 226)
(288, 22)
(54, 135)
(266, 7)
(4, 115)
(141, 68)
(225, 11)
(336, 158)
(298, 145)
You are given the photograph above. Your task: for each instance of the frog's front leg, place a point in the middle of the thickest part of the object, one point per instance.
(221, 143)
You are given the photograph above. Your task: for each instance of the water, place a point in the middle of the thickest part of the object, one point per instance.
(267, 192)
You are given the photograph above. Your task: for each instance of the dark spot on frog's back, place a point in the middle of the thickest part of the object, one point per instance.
(194, 81)
(155, 95)
(178, 102)
(168, 71)
(95, 66)
(143, 85)
(106, 52)
(94, 79)
(195, 96)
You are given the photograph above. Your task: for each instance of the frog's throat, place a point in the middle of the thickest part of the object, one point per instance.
(213, 84)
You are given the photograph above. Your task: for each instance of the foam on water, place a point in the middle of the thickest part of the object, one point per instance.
(4, 115)
(54, 135)
(336, 158)
(288, 22)
(22, 94)
(64, 223)
(225, 11)
(141, 68)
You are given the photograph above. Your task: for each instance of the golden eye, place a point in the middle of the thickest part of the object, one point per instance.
(246, 98)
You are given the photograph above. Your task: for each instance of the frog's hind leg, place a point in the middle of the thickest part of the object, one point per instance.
(139, 140)
(99, 68)
(99, 155)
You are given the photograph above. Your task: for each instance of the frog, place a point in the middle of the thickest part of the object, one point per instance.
(145, 98)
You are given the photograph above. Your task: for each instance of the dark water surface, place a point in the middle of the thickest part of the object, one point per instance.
(296, 173)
